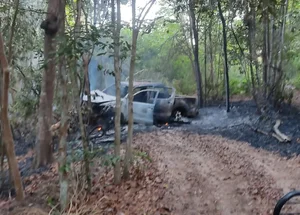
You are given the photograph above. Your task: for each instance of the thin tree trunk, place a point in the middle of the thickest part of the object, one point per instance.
(219, 61)
(277, 87)
(95, 11)
(62, 158)
(251, 37)
(275, 81)
(10, 42)
(253, 42)
(87, 87)
(116, 23)
(205, 65)
(240, 49)
(196, 52)
(44, 154)
(135, 32)
(86, 60)
(225, 56)
(212, 79)
(85, 140)
(270, 53)
(282, 32)
(10, 51)
(265, 50)
(2, 150)
(6, 129)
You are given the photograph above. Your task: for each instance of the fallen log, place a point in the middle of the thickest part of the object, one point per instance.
(284, 137)
(278, 137)
(267, 134)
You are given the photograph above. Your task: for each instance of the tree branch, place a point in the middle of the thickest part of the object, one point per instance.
(12, 31)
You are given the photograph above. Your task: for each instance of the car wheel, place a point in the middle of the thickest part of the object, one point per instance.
(178, 115)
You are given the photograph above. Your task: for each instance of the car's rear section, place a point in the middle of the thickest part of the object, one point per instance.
(186, 106)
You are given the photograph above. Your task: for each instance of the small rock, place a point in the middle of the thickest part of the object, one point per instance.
(226, 178)
(158, 180)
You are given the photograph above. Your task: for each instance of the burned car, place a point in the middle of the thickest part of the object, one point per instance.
(152, 102)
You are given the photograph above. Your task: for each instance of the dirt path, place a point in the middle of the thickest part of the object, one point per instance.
(211, 175)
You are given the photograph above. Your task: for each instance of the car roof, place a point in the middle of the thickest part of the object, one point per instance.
(145, 84)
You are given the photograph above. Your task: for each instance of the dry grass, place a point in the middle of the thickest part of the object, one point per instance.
(29, 211)
(139, 195)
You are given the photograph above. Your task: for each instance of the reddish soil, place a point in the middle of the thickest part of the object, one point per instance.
(211, 175)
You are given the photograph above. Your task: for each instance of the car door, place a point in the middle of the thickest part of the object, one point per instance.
(143, 106)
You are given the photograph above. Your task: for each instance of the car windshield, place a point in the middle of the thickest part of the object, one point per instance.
(111, 90)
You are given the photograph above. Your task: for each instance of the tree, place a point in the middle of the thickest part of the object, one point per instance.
(116, 23)
(5, 127)
(195, 46)
(7, 136)
(225, 55)
(62, 160)
(44, 139)
(136, 26)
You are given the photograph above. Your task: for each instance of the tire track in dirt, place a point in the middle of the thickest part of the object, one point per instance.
(212, 175)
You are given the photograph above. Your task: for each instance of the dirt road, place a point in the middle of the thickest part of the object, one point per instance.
(211, 175)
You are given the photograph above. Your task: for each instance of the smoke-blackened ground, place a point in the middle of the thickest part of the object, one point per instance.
(238, 125)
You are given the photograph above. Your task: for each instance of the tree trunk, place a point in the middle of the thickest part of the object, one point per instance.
(270, 53)
(276, 79)
(205, 65)
(44, 154)
(87, 89)
(116, 23)
(86, 60)
(195, 35)
(85, 140)
(212, 79)
(282, 32)
(128, 155)
(2, 150)
(10, 43)
(96, 2)
(62, 158)
(225, 56)
(265, 53)
(135, 33)
(251, 38)
(6, 129)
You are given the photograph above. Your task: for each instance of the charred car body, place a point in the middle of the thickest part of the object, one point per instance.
(152, 102)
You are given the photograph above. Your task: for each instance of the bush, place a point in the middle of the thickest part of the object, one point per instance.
(296, 82)
(238, 86)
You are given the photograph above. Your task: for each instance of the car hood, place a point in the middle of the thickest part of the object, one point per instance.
(97, 96)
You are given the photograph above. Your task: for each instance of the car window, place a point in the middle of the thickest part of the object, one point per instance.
(163, 93)
(111, 90)
(145, 97)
